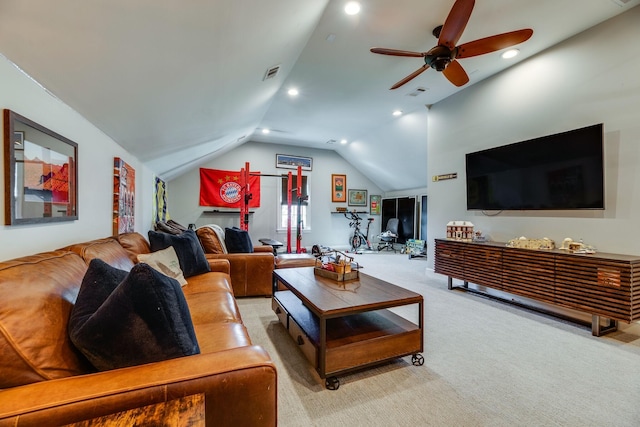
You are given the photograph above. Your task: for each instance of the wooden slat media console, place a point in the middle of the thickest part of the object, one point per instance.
(601, 284)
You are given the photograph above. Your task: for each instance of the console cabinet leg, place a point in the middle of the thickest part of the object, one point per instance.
(598, 330)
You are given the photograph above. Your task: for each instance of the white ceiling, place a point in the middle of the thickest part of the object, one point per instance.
(177, 83)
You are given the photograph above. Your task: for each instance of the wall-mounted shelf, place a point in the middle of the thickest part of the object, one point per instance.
(358, 212)
(219, 212)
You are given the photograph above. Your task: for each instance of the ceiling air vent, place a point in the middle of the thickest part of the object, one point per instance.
(271, 72)
(418, 91)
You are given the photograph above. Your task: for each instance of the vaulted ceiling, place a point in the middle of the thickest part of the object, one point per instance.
(177, 83)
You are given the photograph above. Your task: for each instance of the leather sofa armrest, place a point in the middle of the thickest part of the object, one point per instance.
(219, 265)
(239, 387)
(263, 248)
(251, 273)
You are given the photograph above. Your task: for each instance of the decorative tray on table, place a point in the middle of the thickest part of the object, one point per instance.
(336, 265)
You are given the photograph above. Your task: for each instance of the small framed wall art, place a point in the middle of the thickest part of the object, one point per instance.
(286, 161)
(338, 188)
(375, 205)
(357, 197)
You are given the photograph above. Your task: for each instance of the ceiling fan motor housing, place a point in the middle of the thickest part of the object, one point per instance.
(439, 57)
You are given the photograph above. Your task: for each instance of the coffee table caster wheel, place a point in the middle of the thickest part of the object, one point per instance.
(417, 360)
(332, 383)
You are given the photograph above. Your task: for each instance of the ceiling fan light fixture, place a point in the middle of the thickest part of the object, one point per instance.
(510, 53)
(352, 8)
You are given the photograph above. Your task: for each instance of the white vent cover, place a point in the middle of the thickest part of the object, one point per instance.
(271, 72)
(418, 91)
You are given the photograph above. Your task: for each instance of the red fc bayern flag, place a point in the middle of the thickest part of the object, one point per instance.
(224, 189)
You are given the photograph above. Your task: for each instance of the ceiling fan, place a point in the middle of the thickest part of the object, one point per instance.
(443, 57)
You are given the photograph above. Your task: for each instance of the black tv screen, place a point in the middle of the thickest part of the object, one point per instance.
(561, 171)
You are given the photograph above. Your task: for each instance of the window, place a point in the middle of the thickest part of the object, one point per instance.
(304, 206)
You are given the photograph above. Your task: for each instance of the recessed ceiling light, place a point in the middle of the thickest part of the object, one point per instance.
(343, 141)
(265, 131)
(293, 92)
(397, 113)
(352, 8)
(510, 53)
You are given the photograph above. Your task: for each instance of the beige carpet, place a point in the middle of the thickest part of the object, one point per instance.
(486, 364)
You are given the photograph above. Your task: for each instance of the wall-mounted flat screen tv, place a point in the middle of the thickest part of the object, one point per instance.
(554, 172)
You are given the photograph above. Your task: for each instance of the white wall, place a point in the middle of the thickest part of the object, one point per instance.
(95, 169)
(326, 228)
(591, 78)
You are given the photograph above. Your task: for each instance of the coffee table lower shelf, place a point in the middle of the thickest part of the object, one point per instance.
(353, 342)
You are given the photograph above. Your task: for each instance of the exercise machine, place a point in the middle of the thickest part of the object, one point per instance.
(247, 196)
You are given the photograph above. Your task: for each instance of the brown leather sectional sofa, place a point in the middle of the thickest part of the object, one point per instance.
(44, 380)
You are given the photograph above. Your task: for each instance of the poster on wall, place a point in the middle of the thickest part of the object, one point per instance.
(375, 205)
(160, 201)
(124, 196)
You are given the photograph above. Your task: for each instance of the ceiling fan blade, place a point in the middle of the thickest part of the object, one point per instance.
(456, 74)
(455, 23)
(410, 76)
(493, 43)
(396, 52)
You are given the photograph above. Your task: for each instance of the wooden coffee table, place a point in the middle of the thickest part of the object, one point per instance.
(345, 326)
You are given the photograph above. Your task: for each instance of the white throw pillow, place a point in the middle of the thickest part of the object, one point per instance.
(166, 262)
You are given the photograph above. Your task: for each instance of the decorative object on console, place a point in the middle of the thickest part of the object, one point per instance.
(568, 244)
(478, 237)
(460, 230)
(525, 243)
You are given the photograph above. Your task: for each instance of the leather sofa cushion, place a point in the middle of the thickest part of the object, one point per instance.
(209, 240)
(134, 244)
(108, 249)
(130, 318)
(188, 249)
(295, 260)
(37, 294)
